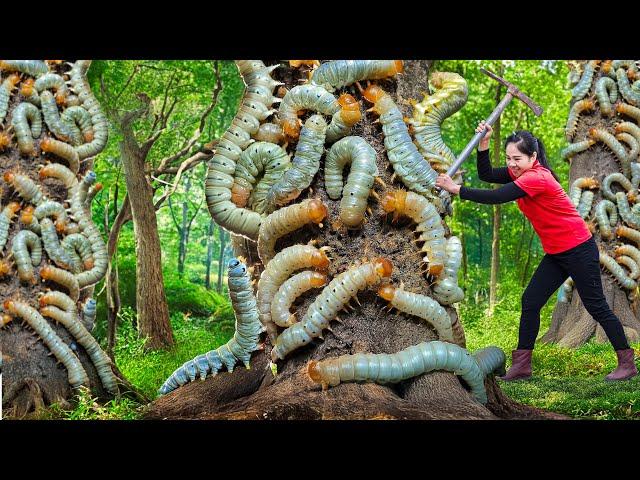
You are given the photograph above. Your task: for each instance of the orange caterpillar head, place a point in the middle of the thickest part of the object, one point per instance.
(387, 291)
(384, 267)
(318, 279)
(5, 320)
(394, 201)
(314, 372)
(291, 128)
(27, 215)
(632, 195)
(398, 67)
(591, 183)
(46, 273)
(46, 145)
(350, 109)
(239, 195)
(374, 93)
(61, 226)
(13, 80)
(88, 136)
(27, 87)
(13, 208)
(61, 98)
(8, 305)
(320, 260)
(593, 132)
(299, 63)
(317, 210)
(589, 104)
(5, 140)
(606, 66)
(8, 177)
(631, 75)
(5, 268)
(435, 269)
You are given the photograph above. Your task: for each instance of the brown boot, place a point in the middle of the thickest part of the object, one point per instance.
(520, 366)
(626, 368)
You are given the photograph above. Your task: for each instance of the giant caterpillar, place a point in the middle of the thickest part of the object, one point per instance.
(617, 271)
(28, 91)
(446, 289)
(627, 232)
(362, 157)
(606, 93)
(23, 115)
(583, 86)
(78, 122)
(615, 146)
(628, 64)
(52, 245)
(430, 227)
(8, 212)
(408, 163)
(340, 73)
(634, 146)
(278, 270)
(342, 121)
(605, 222)
(618, 178)
(54, 209)
(627, 215)
(625, 88)
(78, 249)
(333, 298)
(628, 250)
(55, 81)
(304, 166)
(35, 68)
(289, 291)
(270, 132)
(305, 97)
(244, 341)
(577, 147)
(585, 204)
(578, 185)
(27, 253)
(25, 187)
(5, 93)
(428, 115)
(76, 373)
(565, 291)
(52, 116)
(64, 278)
(285, 221)
(408, 363)
(89, 312)
(29, 220)
(60, 172)
(580, 106)
(631, 128)
(265, 158)
(629, 110)
(631, 264)
(62, 150)
(67, 315)
(421, 306)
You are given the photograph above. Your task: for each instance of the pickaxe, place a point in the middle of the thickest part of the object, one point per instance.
(512, 92)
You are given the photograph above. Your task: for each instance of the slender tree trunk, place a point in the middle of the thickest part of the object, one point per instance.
(221, 259)
(183, 232)
(480, 242)
(210, 242)
(497, 212)
(526, 265)
(151, 302)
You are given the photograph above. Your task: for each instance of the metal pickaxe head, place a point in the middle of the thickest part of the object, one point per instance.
(513, 90)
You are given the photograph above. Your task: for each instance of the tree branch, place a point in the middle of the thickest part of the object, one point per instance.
(173, 216)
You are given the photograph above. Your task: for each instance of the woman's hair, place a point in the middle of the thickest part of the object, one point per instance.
(527, 144)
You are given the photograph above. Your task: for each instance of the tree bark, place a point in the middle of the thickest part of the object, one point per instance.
(257, 394)
(151, 302)
(497, 213)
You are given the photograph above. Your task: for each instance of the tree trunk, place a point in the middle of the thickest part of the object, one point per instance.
(257, 394)
(571, 325)
(480, 242)
(497, 212)
(210, 240)
(223, 238)
(184, 231)
(525, 270)
(151, 302)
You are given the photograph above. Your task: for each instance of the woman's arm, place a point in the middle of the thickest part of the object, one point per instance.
(487, 173)
(504, 194)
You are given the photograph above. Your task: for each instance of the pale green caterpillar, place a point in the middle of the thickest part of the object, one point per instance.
(8, 212)
(631, 264)
(51, 243)
(340, 73)
(60, 172)
(35, 68)
(304, 97)
(629, 110)
(55, 81)
(244, 341)
(304, 166)
(6, 88)
(577, 147)
(62, 150)
(408, 363)
(289, 291)
(633, 129)
(575, 192)
(26, 249)
(585, 204)
(67, 315)
(607, 217)
(25, 187)
(630, 233)
(27, 125)
(634, 146)
(626, 91)
(627, 215)
(606, 93)
(565, 291)
(52, 116)
(79, 123)
(583, 86)
(89, 312)
(617, 272)
(580, 106)
(618, 178)
(79, 251)
(64, 278)
(343, 120)
(52, 209)
(362, 157)
(446, 289)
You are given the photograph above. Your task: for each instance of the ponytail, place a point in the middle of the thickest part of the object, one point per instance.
(528, 144)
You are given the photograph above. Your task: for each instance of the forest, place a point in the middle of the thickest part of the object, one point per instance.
(168, 260)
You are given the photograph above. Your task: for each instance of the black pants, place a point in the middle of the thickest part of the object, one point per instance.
(582, 264)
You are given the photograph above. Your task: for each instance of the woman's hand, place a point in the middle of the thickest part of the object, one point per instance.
(444, 182)
(484, 141)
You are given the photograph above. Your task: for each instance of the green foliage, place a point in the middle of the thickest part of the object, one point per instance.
(87, 407)
(188, 297)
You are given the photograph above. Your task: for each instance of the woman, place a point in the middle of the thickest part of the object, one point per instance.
(570, 249)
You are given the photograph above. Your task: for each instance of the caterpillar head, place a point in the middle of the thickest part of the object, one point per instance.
(5, 319)
(632, 196)
(27, 87)
(26, 217)
(5, 268)
(12, 208)
(387, 291)
(350, 113)
(240, 195)
(88, 136)
(606, 66)
(384, 267)
(314, 371)
(591, 183)
(46, 145)
(5, 140)
(9, 177)
(319, 259)
(318, 279)
(593, 132)
(12, 80)
(90, 177)
(317, 210)
(8, 305)
(236, 268)
(374, 94)
(291, 128)
(394, 201)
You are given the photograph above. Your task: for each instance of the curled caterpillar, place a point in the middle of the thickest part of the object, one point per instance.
(63, 309)
(52, 116)
(565, 291)
(270, 132)
(446, 289)
(278, 270)
(305, 97)
(5, 93)
(79, 251)
(76, 374)
(421, 306)
(626, 91)
(630, 65)
(631, 264)
(607, 217)
(629, 110)
(27, 253)
(585, 204)
(617, 272)
(60, 172)
(606, 93)
(52, 245)
(285, 221)
(634, 146)
(304, 165)
(244, 341)
(408, 363)
(578, 185)
(340, 73)
(611, 178)
(631, 128)
(450, 95)
(28, 91)
(289, 291)
(577, 147)
(580, 106)
(28, 219)
(53, 81)
(342, 121)
(27, 125)
(362, 157)
(430, 227)
(35, 68)
(630, 233)
(54, 209)
(414, 171)
(8, 212)
(583, 86)
(326, 306)
(62, 150)
(25, 187)
(79, 123)
(89, 311)
(615, 146)
(626, 214)
(264, 158)
(62, 277)
(628, 250)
